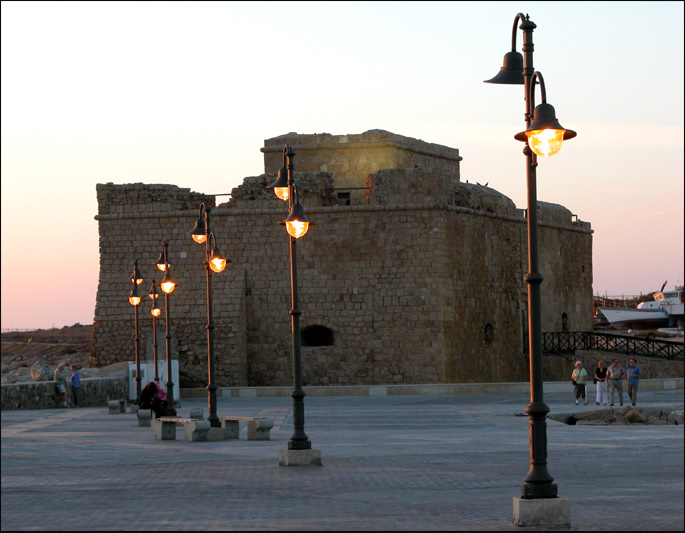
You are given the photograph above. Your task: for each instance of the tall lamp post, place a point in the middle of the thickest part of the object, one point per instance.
(167, 285)
(135, 300)
(155, 312)
(215, 262)
(543, 136)
(297, 226)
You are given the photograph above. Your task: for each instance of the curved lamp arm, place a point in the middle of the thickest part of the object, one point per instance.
(521, 17)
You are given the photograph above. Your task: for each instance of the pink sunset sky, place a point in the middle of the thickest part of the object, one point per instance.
(186, 92)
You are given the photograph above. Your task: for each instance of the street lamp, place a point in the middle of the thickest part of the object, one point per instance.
(155, 312)
(167, 285)
(215, 262)
(297, 225)
(134, 300)
(543, 136)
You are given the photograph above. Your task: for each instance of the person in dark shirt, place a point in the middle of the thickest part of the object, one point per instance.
(601, 381)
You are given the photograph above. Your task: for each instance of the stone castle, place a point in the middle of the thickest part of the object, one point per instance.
(409, 276)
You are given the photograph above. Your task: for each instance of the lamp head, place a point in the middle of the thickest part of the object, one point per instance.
(133, 297)
(217, 262)
(161, 263)
(199, 232)
(280, 186)
(154, 294)
(155, 311)
(297, 224)
(545, 134)
(137, 278)
(167, 285)
(511, 72)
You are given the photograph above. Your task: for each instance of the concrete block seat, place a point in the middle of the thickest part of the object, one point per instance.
(144, 417)
(164, 428)
(116, 406)
(258, 428)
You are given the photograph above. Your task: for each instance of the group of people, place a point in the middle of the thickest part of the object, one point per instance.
(608, 381)
(60, 377)
(151, 397)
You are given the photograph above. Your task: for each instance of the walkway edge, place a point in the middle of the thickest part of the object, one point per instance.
(393, 390)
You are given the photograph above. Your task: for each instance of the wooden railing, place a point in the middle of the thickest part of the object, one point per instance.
(569, 341)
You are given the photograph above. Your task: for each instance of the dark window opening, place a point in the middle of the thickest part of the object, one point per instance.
(564, 322)
(344, 198)
(489, 334)
(317, 336)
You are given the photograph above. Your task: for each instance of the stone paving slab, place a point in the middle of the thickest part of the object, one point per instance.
(441, 462)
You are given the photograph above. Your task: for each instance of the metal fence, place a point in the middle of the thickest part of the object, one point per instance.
(570, 341)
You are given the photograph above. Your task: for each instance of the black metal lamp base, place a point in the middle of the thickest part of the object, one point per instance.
(534, 491)
(299, 445)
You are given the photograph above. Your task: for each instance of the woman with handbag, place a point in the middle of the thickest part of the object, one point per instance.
(578, 378)
(601, 381)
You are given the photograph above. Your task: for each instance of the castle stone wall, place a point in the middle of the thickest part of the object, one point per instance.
(421, 283)
(351, 158)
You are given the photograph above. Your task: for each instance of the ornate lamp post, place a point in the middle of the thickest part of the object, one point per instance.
(167, 285)
(135, 300)
(297, 226)
(543, 136)
(215, 262)
(155, 312)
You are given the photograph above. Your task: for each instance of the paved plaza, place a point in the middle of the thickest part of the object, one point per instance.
(419, 462)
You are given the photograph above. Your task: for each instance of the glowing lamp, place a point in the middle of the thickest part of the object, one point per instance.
(199, 232)
(156, 311)
(297, 224)
(153, 294)
(282, 193)
(217, 262)
(168, 285)
(545, 142)
(137, 278)
(161, 263)
(280, 186)
(545, 134)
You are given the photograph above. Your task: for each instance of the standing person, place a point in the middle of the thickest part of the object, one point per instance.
(633, 375)
(601, 381)
(75, 384)
(578, 376)
(60, 378)
(614, 374)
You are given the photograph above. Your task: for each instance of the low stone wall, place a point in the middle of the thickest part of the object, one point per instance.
(95, 392)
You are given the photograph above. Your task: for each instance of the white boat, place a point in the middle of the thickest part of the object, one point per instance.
(672, 302)
(666, 310)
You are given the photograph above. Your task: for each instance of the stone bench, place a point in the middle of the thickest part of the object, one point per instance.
(116, 406)
(258, 428)
(195, 430)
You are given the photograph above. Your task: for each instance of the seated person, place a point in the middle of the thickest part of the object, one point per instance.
(153, 397)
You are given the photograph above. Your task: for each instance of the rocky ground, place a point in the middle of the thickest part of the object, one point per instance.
(70, 345)
(622, 416)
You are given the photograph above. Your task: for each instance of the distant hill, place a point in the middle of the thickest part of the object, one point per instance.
(20, 349)
(77, 333)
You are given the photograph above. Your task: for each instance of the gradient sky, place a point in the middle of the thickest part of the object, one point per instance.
(186, 92)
